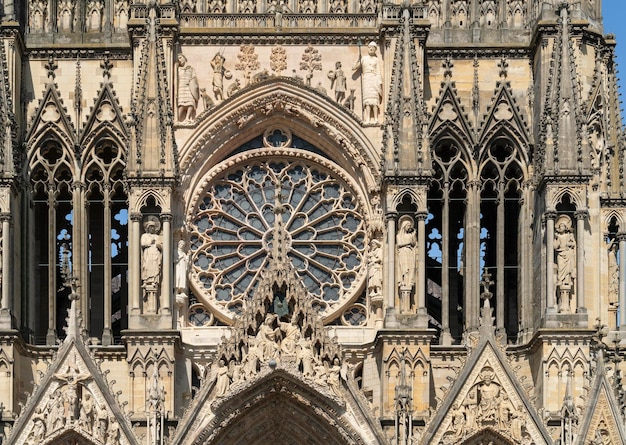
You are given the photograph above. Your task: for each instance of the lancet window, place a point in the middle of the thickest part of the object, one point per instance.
(107, 222)
(473, 236)
(65, 205)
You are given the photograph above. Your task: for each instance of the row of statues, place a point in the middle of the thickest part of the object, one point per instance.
(189, 92)
(278, 342)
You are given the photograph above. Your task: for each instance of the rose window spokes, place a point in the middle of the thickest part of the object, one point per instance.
(234, 226)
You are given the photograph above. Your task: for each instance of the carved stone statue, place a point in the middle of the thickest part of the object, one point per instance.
(371, 82)
(180, 283)
(375, 268)
(188, 90)
(38, 432)
(267, 338)
(219, 72)
(565, 250)
(338, 82)
(406, 243)
(222, 382)
(151, 261)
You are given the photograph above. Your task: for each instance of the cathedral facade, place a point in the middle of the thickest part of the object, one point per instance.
(311, 222)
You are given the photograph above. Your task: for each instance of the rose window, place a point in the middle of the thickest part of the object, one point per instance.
(233, 226)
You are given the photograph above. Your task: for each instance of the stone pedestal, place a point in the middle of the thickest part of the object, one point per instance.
(562, 320)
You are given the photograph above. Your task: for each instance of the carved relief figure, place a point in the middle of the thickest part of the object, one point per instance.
(338, 82)
(308, 7)
(267, 338)
(219, 72)
(371, 83)
(151, 261)
(38, 430)
(188, 90)
(247, 7)
(489, 391)
(565, 250)
(337, 7)
(94, 15)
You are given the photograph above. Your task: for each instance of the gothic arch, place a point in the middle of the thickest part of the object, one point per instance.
(276, 410)
(487, 436)
(68, 437)
(280, 102)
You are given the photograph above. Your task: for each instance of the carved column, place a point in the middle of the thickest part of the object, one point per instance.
(472, 257)
(550, 216)
(7, 281)
(106, 331)
(420, 285)
(134, 263)
(80, 249)
(166, 286)
(580, 216)
(52, 279)
(391, 259)
(621, 237)
(446, 337)
(500, 259)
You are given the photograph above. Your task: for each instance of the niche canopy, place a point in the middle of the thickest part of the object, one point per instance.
(234, 224)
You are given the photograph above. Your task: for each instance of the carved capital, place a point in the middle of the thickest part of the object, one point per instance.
(166, 217)
(621, 236)
(581, 214)
(550, 214)
(421, 215)
(5, 217)
(391, 216)
(135, 217)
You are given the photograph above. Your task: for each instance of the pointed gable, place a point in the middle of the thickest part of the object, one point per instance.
(72, 399)
(449, 116)
(51, 115)
(486, 399)
(602, 420)
(105, 115)
(504, 115)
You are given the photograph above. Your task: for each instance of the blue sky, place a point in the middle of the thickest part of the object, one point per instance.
(615, 22)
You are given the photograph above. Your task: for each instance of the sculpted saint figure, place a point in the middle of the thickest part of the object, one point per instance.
(565, 249)
(219, 72)
(613, 274)
(372, 83)
(406, 242)
(188, 90)
(222, 380)
(339, 82)
(267, 338)
(151, 260)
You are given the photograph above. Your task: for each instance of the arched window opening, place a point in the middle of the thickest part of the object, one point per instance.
(107, 222)
(445, 237)
(52, 229)
(501, 176)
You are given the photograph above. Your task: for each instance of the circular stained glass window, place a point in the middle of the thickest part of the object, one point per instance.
(233, 225)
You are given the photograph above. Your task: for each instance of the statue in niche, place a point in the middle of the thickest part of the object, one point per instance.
(406, 243)
(338, 82)
(219, 73)
(308, 7)
(371, 83)
(151, 261)
(613, 274)
(375, 268)
(94, 15)
(247, 7)
(188, 90)
(180, 282)
(565, 250)
(333, 377)
(304, 356)
(278, 7)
